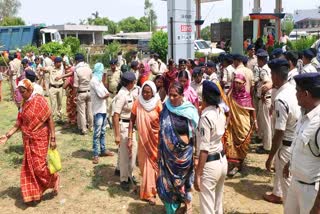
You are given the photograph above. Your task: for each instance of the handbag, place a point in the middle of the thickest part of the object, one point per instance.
(54, 161)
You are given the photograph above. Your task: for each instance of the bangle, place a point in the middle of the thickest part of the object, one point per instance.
(53, 139)
(7, 135)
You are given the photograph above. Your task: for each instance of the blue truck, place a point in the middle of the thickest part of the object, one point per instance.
(14, 37)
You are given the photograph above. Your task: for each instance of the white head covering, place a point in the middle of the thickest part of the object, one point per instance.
(151, 104)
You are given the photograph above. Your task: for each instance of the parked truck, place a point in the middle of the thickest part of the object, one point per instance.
(222, 31)
(15, 37)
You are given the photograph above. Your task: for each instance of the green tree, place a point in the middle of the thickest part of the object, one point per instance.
(206, 33)
(132, 24)
(73, 43)
(12, 21)
(56, 49)
(151, 15)
(9, 8)
(104, 21)
(224, 20)
(287, 24)
(30, 48)
(159, 44)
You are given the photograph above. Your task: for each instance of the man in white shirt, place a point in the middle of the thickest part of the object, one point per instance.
(303, 194)
(99, 94)
(307, 57)
(31, 75)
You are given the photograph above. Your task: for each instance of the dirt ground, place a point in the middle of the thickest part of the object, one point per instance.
(88, 188)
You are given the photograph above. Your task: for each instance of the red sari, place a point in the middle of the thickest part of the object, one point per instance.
(35, 175)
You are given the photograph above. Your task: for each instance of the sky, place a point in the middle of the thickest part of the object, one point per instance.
(72, 11)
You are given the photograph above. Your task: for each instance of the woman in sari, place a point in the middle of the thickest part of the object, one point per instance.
(178, 121)
(189, 93)
(145, 113)
(170, 76)
(242, 121)
(38, 132)
(161, 91)
(144, 71)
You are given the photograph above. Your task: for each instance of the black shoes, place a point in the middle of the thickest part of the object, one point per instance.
(125, 186)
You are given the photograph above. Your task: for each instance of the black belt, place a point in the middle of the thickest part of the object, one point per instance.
(311, 184)
(56, 86)
(286, 143)
(83, 91)
(226, 87)
(215, 156)
(267, 97)
(124, 120)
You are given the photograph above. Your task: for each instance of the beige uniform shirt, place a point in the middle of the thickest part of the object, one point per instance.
(252, 62)
(198, 88)
(309, 68)
(15, 67)
(304, 165)
(264, 76)
(53, 73)
(228, 75)
(82, 77)
(210, 130)
(123, 103)
(113, 79)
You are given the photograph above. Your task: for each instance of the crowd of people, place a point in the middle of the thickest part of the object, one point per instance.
(188, 126)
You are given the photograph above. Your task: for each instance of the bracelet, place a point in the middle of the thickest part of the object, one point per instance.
(7, 135)
(53, 139)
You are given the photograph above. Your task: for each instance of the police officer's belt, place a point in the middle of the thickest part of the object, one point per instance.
(56, 86)
(311, 184)
(286, 143)
(215, 156)
(124, 120)
(83, 91)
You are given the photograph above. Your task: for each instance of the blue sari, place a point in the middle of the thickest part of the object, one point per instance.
(175, 159)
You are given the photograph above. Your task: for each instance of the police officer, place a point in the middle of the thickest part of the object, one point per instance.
(111, 81)
(307, 57)
(303, 194)
(82, 77)
(47, 62)
(55, 87)
(15, 69)
(252, 58)
(212, 163)
(211, 72)
(197, 83)
(122, 107)
(286, 114)
(264, 103)
(227, 72)
(292, 58)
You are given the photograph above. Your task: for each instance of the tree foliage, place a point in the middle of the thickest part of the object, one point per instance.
(159, 44)
(73, 43)
(56, 49)
(9, 8)
(150, 14)
(132, 24)
(224, 20)
(287, 24)
(12, 21)
(104, 21)
(206, 33)
(30, 48)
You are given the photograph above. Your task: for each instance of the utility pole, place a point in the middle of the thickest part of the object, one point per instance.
(237, 27)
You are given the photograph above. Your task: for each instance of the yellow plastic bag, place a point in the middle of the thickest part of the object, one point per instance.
(54, 161)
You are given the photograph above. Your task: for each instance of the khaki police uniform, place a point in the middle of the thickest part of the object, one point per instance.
(210, 131)
(82, 77)
(227, 77)
(15, 70)
(55, 91)
(309, 68)
(264, 105)
(304, 164)
(47, 63)
(112, 82)
(252, 62)
(123, 103)
(291, 74)
(198, 88)
(287, 113)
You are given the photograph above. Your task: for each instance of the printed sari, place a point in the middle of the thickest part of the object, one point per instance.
(71, 106)
(35, 175)
(148, 129)
(176, 173)
(240, 128)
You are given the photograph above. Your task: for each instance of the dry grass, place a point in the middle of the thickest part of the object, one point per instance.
(88, 188)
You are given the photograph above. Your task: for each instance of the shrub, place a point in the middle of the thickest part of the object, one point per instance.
(55, 48)
(30, 48)
(159, 44)
(73, 43)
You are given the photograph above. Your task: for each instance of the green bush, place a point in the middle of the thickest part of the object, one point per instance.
(55, 48)
(302, 44)
(110, 52)
(73, 43)
(199, 55)
(159, 44)
(95, 58)
(30, 48)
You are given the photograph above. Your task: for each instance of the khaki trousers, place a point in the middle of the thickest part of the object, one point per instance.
(264, 123)
(84, 111)
(126, 165)
(281, 184)
(212, 184)
(55, 95)
(13, 85)
(46, 82)
(301, 198)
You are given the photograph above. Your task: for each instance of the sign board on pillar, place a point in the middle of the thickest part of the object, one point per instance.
(181, 28)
